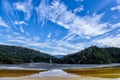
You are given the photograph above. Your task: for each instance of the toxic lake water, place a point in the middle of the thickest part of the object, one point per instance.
(44, 71)
(52, 73)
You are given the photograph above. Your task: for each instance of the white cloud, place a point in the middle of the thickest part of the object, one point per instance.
(70, 37)
(21, 29)
(26, 7)
(49, 35)
(78, 27)
(79, 9)
(79, 0)
(8, 8)
(115, 25)
(20, 23)
(16, 33)
(68, 45)
(111, 41)
(36, 38)
(16, 41)
(21, 6)
(3, 23)
(116, 7)
(58, 46)
(52, 47)
(37, 44)
(87, 25)
(118, 1)
(4, 43)
(20, 37)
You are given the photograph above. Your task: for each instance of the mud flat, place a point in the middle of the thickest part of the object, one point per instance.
(66, 72)
(18, 73)
(108, 72)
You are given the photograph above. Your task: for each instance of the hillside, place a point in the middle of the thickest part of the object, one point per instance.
(17, 55)
(94, 55)
(91, 55)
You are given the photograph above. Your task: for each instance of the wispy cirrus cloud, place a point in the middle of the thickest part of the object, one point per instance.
(49, 35)
(21, 29)
(116, 7)
(25, 7)
(112, 41)
(79, 0)
(79, 9)
(116, 25)
(87, 25)
(20, 23)
(53, 47)
(76, 31)
(3, 23)
(8, 8)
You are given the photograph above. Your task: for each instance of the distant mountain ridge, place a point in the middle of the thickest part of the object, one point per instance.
(59, 56)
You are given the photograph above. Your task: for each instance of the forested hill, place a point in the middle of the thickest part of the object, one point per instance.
(94, 55)
(17, 55)
(91, 55)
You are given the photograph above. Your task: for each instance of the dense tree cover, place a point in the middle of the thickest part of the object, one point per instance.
(91, 55)
(17, 55)
(94, 55)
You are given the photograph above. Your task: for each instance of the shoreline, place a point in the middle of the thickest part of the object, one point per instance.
(47, 66)
(83, 73)
(78, 71)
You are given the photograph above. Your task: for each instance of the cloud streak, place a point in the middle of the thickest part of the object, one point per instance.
(3, 23)
(87, 25)
(20, 23)
(112, 41)
(25, 7)
(116, 7)
(56, 28)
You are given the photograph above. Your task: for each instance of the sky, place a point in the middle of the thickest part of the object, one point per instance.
(60, 27)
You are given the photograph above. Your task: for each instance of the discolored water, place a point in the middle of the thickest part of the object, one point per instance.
(36, 71)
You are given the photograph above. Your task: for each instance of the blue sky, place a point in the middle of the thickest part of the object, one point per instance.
(60, 26)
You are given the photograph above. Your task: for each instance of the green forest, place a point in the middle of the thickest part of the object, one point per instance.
(94, 55)
(90, 55)
(18, 55)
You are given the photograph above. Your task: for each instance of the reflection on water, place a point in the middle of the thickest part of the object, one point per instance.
(56, 71)
(56, 74)
(47, 75)
(53, 73)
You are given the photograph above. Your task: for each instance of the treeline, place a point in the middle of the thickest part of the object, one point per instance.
(91, 55)
(18, 55)
(94, 55)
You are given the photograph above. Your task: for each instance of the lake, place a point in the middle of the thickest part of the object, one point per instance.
(44, 71)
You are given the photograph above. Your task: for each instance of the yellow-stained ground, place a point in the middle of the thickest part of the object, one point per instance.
(66, 78)
(83, 74)
(113, 72)
(18, 73)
